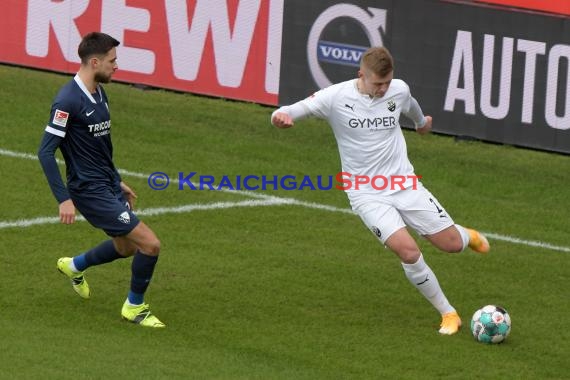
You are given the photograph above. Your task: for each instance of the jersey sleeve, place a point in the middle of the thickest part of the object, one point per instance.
(46, 155)
(319, 103)
(411, 108)
(60, 116)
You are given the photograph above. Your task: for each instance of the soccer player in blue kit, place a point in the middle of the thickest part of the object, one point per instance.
(80, 126)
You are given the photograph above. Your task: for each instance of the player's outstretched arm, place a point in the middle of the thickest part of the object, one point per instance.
(286, 116)
(426, 128)
(282, 120)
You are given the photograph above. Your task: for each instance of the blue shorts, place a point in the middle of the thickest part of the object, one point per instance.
(105, 209)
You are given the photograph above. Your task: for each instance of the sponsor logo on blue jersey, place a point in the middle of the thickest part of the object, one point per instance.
(100, 129)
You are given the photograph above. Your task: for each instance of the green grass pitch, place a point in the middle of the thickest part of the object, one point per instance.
(283, 288)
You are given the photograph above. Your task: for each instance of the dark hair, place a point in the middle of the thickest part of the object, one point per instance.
(95, 43)
(378, 60)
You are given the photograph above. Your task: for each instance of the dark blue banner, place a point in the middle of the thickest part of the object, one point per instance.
(490, 73)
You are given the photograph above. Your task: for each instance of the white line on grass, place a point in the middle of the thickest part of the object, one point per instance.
(151, 211)
(10, 153)
(263, 200)
(530, 243)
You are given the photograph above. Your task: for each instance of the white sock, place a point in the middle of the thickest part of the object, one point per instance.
(131, 304)
(423, 278)
(464, 235)
(72, 267)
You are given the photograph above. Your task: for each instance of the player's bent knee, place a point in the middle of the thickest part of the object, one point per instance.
(151, 247)
(127, 251)
(408, 255)
(145, 239)
(455, 247)
(124, 247)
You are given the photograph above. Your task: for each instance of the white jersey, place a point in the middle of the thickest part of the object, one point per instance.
(367, 131)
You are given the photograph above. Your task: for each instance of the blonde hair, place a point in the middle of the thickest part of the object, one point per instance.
(378, 60)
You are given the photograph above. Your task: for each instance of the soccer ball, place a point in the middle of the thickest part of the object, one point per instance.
(491, 324)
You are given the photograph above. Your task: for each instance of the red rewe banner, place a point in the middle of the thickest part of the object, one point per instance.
(225, 48)
(552, 6)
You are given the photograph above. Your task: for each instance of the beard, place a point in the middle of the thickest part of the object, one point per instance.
(102, 78)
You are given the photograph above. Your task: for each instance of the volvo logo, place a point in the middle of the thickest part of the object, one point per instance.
(372, 21)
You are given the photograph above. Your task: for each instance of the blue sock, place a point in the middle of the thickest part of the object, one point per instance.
(101, 254)
(142, 270)
(135, 298)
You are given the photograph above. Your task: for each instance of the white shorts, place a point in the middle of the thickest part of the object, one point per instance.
(386, 214)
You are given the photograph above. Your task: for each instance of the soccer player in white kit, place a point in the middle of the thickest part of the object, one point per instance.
(377, 175)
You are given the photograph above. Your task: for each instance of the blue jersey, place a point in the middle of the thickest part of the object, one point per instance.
(83, 122)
